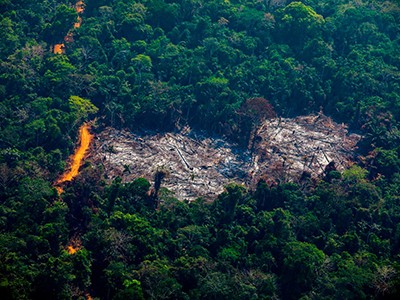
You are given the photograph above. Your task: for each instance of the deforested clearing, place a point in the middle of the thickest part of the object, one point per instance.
(284, 150)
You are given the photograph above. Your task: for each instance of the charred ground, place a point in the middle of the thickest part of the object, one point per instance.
(283, 150)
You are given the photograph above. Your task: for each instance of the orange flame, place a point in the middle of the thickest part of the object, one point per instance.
(59, 190)
(78, 24)
(72, 250)
(58, 48)
(74, 246)
(76, 159)
(80, 7)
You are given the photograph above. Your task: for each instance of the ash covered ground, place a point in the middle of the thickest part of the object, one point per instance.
(283, 150)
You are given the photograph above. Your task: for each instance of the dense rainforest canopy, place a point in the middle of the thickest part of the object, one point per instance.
(164, 64)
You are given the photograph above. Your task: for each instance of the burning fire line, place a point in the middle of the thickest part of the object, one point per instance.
(60, 48)
(85, 138)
